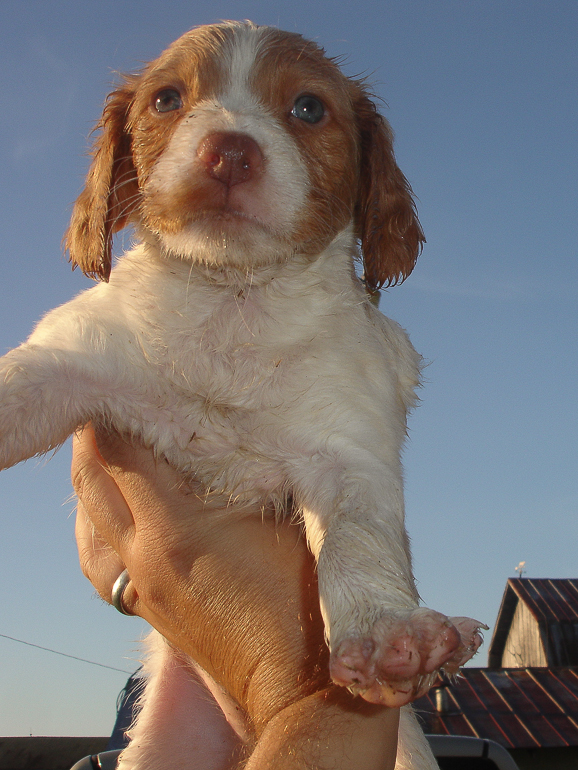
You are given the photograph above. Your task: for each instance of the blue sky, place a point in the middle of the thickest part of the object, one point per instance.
(482, 97)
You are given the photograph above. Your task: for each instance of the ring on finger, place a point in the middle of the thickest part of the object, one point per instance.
(117, 594)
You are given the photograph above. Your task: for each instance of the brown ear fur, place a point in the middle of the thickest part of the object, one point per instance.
(110, 193)
(387, 222)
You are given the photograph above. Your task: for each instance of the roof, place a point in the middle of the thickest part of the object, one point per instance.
(554, 605)
(516, 707)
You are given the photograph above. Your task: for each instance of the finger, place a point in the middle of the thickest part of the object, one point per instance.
(101, 564)
(99, 493)
(98, 561)
(140, 476)
(169, 513)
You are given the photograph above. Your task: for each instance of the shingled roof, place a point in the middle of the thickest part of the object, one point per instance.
(519, 708)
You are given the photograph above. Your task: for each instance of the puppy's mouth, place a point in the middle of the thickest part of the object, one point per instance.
(210, 208)
(226, 219)
(225, 213)
(225, 235)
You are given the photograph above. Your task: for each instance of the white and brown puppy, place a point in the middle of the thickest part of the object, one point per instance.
(235, 338)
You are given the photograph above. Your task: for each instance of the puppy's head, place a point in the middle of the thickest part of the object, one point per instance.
(243, 145)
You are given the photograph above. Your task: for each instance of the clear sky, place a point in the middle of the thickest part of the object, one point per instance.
(482, 97)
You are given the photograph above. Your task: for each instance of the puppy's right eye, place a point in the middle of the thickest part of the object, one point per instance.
(168, 100)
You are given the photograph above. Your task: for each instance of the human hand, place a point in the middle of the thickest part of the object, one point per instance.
(234, 590)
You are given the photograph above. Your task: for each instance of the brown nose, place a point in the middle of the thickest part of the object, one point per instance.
(231, 158)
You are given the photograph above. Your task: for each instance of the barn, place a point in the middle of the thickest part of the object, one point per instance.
(527, 697)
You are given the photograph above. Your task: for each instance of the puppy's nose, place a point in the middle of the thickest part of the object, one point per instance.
(231, 158)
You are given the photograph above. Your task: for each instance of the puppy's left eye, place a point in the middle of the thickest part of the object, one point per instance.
(308, 108)
(167, 100)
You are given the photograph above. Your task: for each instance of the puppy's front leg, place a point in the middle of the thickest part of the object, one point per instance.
(383, 645)
(48, 389)
(42, 401)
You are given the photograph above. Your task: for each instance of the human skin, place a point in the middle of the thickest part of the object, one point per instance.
(236, 591)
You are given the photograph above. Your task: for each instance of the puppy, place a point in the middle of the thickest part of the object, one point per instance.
(236, 339)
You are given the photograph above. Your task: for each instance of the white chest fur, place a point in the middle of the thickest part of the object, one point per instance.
(231, 382)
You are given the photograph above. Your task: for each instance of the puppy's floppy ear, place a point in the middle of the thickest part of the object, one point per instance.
(388, 227)
(111, 190)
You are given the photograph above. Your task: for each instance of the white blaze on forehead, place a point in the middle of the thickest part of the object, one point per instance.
(239, 63)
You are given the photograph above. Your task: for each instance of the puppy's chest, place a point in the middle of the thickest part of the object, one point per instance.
(235, 358)
(220, 382)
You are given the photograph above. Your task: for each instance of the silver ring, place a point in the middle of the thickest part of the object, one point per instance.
(118, 590)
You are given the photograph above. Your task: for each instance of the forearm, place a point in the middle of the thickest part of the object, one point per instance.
(329, 730)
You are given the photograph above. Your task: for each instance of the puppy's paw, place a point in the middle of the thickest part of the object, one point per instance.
(400, 658)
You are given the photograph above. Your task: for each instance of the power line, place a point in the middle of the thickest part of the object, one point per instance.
(64, 654)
